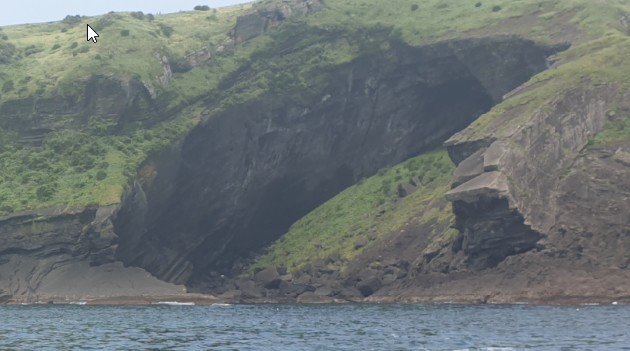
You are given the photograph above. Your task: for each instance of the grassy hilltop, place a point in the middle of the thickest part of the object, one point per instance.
(92, 163)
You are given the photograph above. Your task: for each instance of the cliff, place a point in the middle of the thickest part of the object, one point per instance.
(287, 153)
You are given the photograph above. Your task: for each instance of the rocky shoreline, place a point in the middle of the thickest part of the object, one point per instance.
(209, 300)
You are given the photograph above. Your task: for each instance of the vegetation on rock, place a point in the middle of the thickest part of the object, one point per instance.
(53, 64)
(366, 213)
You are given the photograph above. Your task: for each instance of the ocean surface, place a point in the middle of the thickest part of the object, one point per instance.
(314, 327)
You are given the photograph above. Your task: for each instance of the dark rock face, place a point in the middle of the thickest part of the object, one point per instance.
(243, 177)
(269, 278)
(45, 239)
(492, 231)
(64, 255)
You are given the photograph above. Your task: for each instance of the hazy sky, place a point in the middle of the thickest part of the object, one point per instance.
(35, 11)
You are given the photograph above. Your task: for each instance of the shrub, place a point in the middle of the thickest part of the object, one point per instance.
(71, 19)
(100, 175)
(414, 7)
(45, 192)
(166, 29)
(106, 20)
(496, 8)
(124, 33)
(138, 15)
(30, 50)
(55, 47)
(478, 4)
(7, 51)
(7, 86)
(150, 16)
(84, 49)
(202, 8)
(180, 65)
(74, 45)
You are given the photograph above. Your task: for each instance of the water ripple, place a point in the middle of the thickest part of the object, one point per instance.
(319, 327)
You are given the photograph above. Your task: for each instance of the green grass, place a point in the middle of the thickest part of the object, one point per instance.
(90, 164)
(615, 132)
(436, 20)
(76, 168)
(370, 208)
(58, 63)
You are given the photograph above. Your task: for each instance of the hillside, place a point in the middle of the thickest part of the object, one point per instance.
(307, 137)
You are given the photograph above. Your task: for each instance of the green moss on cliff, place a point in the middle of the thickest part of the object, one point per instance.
(367, 212)
(75, 168)
(616, 131)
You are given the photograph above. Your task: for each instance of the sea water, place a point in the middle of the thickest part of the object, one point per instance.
(314, 327)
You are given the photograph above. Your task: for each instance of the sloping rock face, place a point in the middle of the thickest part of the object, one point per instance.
(239, 180)
(532, 178)
(43, 252)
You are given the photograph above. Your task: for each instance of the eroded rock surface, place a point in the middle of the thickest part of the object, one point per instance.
(246, 174)
(44, 253)
(506, 194)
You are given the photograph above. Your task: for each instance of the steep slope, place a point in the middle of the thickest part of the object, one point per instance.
(185, 155)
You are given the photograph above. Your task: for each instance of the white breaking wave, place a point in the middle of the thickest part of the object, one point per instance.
(174, 303)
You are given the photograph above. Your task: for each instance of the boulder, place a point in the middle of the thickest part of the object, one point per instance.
(360, 244)
(249, 288)
(369, 287)
(388, 279)
(269, 278)
(284, 287)
(324, 291)
(303, 279)
(296, 288)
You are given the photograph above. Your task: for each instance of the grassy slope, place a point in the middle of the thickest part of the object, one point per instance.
(92, 166)
(52, 60)
(371, 208)
(617, 131)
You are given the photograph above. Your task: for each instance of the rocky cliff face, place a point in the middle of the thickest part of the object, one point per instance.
(240, 179)
(43, 253)
(510, 191)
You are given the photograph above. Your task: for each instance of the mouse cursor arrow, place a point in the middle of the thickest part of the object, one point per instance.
(91, 34)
